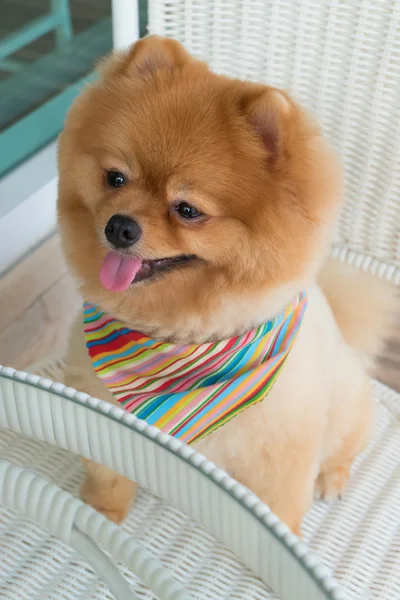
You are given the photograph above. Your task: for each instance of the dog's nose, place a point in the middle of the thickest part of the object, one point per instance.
(122, 232)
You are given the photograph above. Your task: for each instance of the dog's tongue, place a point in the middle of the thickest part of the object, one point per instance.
(117, 272)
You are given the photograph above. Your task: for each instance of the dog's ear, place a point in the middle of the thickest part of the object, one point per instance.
(148, 55)
(267, 110)
(155, 53)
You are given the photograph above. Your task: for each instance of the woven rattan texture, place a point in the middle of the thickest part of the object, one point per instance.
(359, 538)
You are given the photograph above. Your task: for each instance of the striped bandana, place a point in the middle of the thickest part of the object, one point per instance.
(190, 390)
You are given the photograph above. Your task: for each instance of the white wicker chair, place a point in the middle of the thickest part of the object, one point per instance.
(341, 58)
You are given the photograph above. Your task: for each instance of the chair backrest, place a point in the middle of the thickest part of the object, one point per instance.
(340, 59)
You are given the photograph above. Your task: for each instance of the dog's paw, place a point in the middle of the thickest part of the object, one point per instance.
(331, 485)
(113, 501)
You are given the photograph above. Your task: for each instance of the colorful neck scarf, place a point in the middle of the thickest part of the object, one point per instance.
(190, 390)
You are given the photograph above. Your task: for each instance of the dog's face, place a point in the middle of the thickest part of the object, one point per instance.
(176, 183)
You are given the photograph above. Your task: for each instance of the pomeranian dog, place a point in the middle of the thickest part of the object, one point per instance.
(193, 208)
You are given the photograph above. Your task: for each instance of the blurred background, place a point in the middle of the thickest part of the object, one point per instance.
(48, 49)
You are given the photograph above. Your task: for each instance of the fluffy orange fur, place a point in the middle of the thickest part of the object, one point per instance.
(269, 187)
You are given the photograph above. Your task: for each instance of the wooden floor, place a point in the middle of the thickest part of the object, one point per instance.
(37, 304)
(38, 301)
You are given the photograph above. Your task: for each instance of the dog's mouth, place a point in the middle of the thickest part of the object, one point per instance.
(118, 271)
(150, 267)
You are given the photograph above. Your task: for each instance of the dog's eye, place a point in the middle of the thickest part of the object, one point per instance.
(186, 211)
(115, 179)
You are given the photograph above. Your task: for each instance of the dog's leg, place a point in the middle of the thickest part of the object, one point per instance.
(287, 482)
(108, 492)
(349, 432)
(275, 456)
